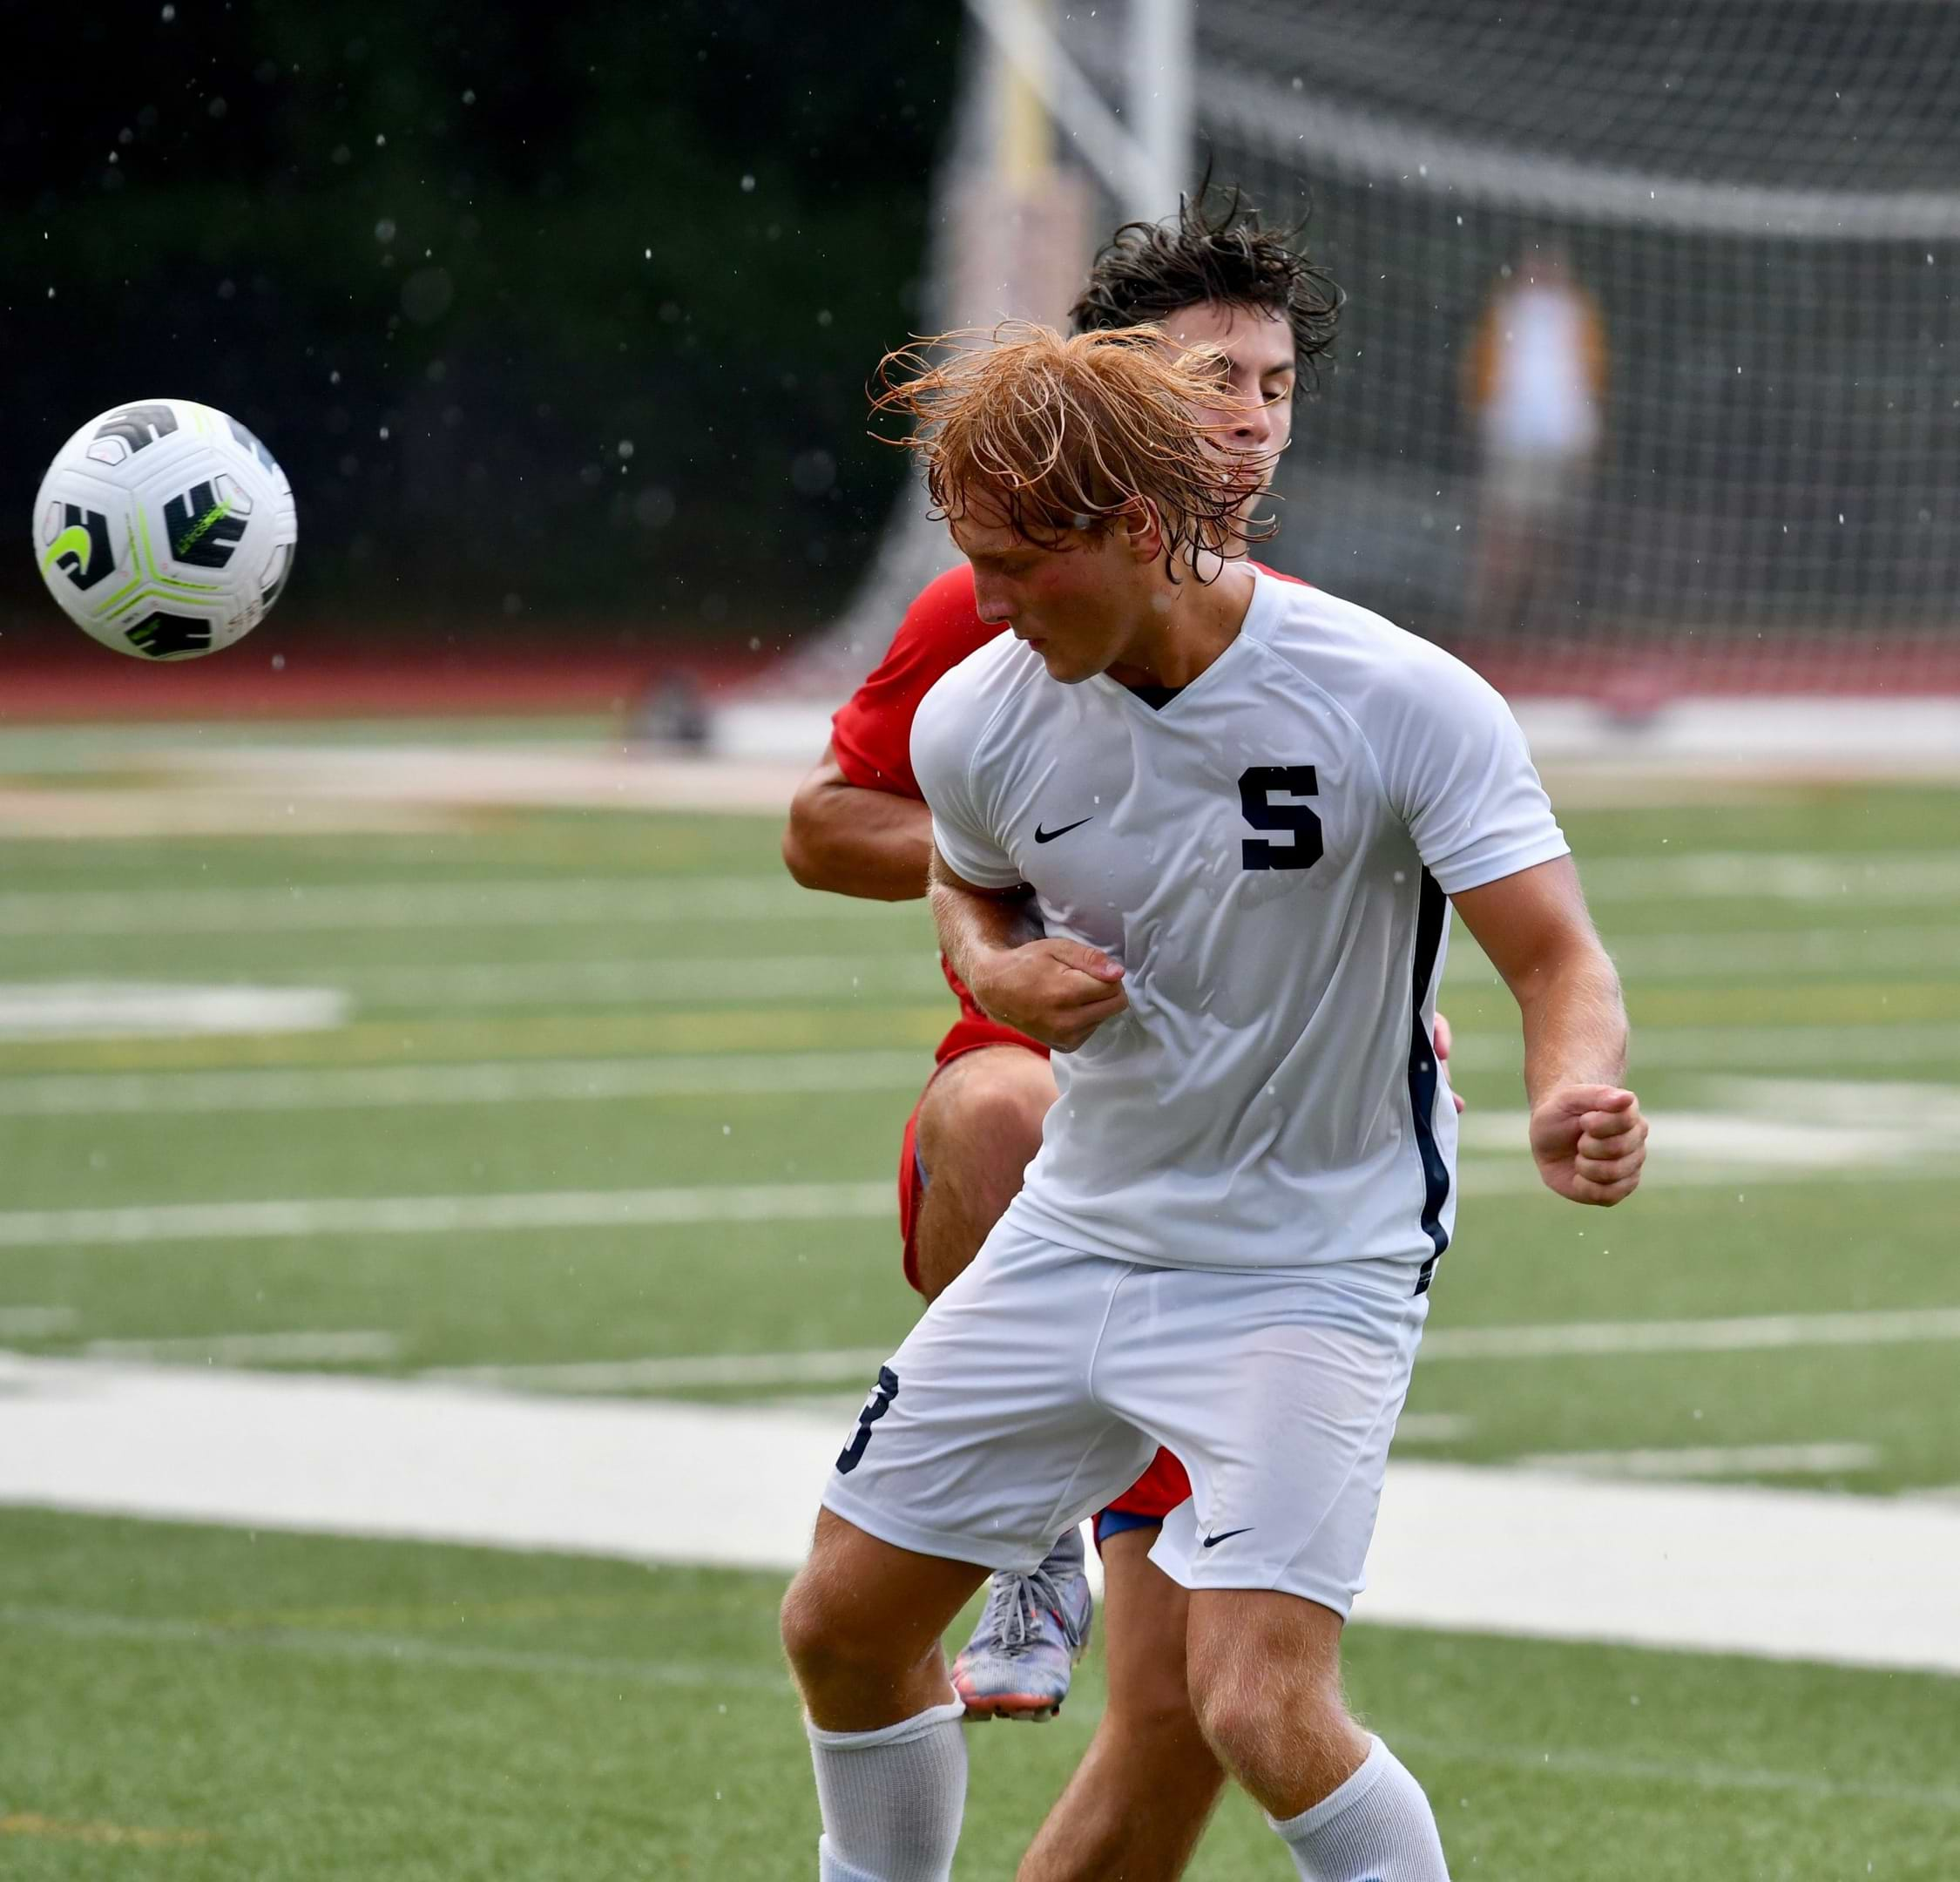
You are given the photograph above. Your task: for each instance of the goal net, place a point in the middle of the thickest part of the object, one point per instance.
(1649, 378)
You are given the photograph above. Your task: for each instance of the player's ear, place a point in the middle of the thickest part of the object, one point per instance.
(1141, 530)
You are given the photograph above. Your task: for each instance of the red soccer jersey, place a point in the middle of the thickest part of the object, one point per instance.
(871, 736)
(871, 732)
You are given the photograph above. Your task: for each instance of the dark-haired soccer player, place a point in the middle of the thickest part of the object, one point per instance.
(1212, 276)
(1239, 811)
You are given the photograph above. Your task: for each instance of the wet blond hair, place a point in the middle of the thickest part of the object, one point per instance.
(1060, 434)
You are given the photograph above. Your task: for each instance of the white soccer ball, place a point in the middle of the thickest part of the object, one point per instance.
(165, 529)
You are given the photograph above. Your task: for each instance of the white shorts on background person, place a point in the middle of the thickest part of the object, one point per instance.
(1038, 1386)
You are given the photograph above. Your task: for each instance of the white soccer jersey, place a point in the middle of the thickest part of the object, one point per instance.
(1268, 856)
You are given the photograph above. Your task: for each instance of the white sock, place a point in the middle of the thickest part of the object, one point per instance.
(1377, 1827)
(892, 1799)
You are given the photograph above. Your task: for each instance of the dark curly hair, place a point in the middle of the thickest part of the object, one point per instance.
(1147, 270)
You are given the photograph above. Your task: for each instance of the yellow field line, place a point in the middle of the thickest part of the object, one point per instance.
(547, 1035)
(26, 1823)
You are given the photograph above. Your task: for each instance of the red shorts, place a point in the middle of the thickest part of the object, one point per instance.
(1164, 1486)
(1149, 1499)
(972, 1032)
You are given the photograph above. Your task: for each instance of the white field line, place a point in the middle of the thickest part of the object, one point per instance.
(1721, 1048)
(35, 1322)
(666, 982)
(417, 1649)
(524, 1082)
(608, 773)
(98, 1009)
(1886, 1133)
(1708, 1460)
(1848, 1102)
(442, 1215)
(1490, 1176)
(770, 1371)
(150, 1224)
(499, 1082)
(541, 1081)
(1751, 1333)
(1776, 875)
(1785, 1574)
(548, 903)
(1906, 876)
(36, 1008)
(762, 1370)
(1768, 954)
(254, 1349)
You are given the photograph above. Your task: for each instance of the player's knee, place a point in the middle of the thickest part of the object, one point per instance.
(989, 1120)
(1265, 1726)
(805, 1627)
(1234, 1717)
(818, 1637)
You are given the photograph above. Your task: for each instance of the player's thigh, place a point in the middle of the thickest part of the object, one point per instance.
(981, 1440)
(1144, 1619)
(1280, 1393)
(979, 1122)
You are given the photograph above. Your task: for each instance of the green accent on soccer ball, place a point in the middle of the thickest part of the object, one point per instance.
(74, 541)
(150, 591)
(107, 606)
(216, 513)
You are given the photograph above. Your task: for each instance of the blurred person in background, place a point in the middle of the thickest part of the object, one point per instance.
(1535, 385)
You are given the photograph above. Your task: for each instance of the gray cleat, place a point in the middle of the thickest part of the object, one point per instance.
(1031, 1632)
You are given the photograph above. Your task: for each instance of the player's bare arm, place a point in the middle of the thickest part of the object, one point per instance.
(1587, 1132)
(855, 841)
(1053, 989)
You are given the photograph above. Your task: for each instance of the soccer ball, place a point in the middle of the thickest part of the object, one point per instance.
(165, 529)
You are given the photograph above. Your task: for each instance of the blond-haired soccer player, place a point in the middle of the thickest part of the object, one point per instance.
(1240, 809)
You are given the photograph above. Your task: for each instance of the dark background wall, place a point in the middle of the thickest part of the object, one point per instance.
(560, 312)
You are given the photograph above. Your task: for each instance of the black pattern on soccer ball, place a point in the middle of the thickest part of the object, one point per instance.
(77, 522)
(203, 532)
(162, 635)
(138, 425)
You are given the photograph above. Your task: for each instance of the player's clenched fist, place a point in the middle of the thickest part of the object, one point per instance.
(1590, 1142)
(1053, 990)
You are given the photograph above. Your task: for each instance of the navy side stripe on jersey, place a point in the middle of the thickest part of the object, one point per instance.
(1431, 915)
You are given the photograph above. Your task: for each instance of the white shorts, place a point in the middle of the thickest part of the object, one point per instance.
(1035, 1389)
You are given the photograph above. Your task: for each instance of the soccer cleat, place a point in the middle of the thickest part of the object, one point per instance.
(1031, 1632)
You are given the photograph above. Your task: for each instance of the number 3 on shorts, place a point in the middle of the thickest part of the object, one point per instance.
(874, 1408)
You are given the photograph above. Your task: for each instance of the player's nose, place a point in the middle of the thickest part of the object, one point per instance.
(992, 606)
(1253, 424)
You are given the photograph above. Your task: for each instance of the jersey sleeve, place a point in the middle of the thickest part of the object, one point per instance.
(945, 732)
(871, 732)
(1460, 774)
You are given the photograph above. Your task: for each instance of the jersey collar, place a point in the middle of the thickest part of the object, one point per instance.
(1256, 627)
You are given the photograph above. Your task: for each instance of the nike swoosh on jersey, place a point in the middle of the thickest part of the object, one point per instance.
(1213, 1541)
(1049, 835)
